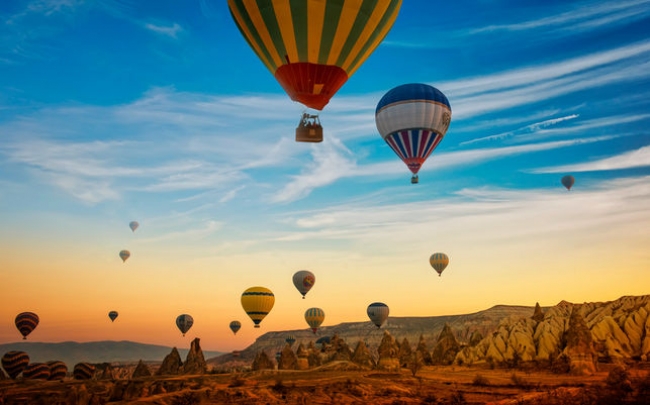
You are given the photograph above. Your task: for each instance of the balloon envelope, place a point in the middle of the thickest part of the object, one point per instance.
(124, 254)
(134, 225)
(567, 181)
(439, 262)
(312, 47)
(378, 313)
(184, 322)
(291, 339)
(26, 322)
(314, 318)
(257, 302)
(235, 326)
(304, 280)
(412, 119)
(112, 315)
(14, 362)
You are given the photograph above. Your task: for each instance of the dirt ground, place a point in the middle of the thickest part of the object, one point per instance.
(431, 385)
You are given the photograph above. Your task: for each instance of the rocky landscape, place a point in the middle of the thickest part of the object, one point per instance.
(591, 353)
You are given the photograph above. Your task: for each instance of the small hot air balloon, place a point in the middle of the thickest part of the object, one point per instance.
(184, 322)
(304, 280)
(58, 370)
(413, 119)
(134, 225)
(312, 47)
(26, 322)
(439, 262)
(14, 362)
(314, 318)
(36, 371)
(83, 371)
(291, 339)
(567, 181)
(378, 313)
(235, 326)
(113, 315)
(124, 254)
(257, 302)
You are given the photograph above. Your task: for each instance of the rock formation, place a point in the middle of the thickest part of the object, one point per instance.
(262, 362)
(388, 354)
(195, 362)
(288, 359)
(141, 370)
(538, 315)
(337, 350)
(404, 353)
(303, 357)
(105, 371)
(424, 352)
(362, 357)
(171, 364)
(579, 348)
(446, 349)
(314, 358)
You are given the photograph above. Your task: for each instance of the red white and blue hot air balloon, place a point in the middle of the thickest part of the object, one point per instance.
(412, 119)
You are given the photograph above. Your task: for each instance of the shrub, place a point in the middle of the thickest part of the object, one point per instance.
(480, 381)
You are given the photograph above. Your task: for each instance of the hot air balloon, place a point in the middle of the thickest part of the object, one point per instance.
(257, 302)
(378, 313)
(14, 362)
(312, 47)
(124, 254)
(134, 225)
(304, 280)
(290, 339)
(83, 371)
(58, 370)
(26, 322)
(235, 326)
(113, 315)
(439, 262)
(184, 322)
(36, 371)
(413, 119)
(567, 181)
(314, 318)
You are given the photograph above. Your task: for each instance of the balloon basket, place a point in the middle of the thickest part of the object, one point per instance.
(309, 129)
(415, 180)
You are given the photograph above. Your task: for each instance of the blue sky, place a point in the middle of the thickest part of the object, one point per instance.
(158, 111)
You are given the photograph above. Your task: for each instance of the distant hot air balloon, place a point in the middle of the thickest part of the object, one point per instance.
(83, 371)
(124, 254)
(312, 47)
(439, 262)
(304, 280)
(36, 371)
(14, 362)
(113, 315)
(567, 181)
(58, 370)
(235, 326)
(26, 322)
(291, 339)
(134, 225)
(413, 119)
(314, 318)
(378, 313)
(257, 302)
(184, 322)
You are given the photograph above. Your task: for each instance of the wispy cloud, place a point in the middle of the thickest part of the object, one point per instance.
(628, 160)
(584, 16)
(527, 129)
(170, 31)
(331, 161)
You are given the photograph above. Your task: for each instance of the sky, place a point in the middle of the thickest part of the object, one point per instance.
(159, 111)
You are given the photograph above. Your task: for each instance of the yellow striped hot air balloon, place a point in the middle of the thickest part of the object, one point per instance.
(439, 262)
(314, 318)
(257, 302)
(312, 47)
